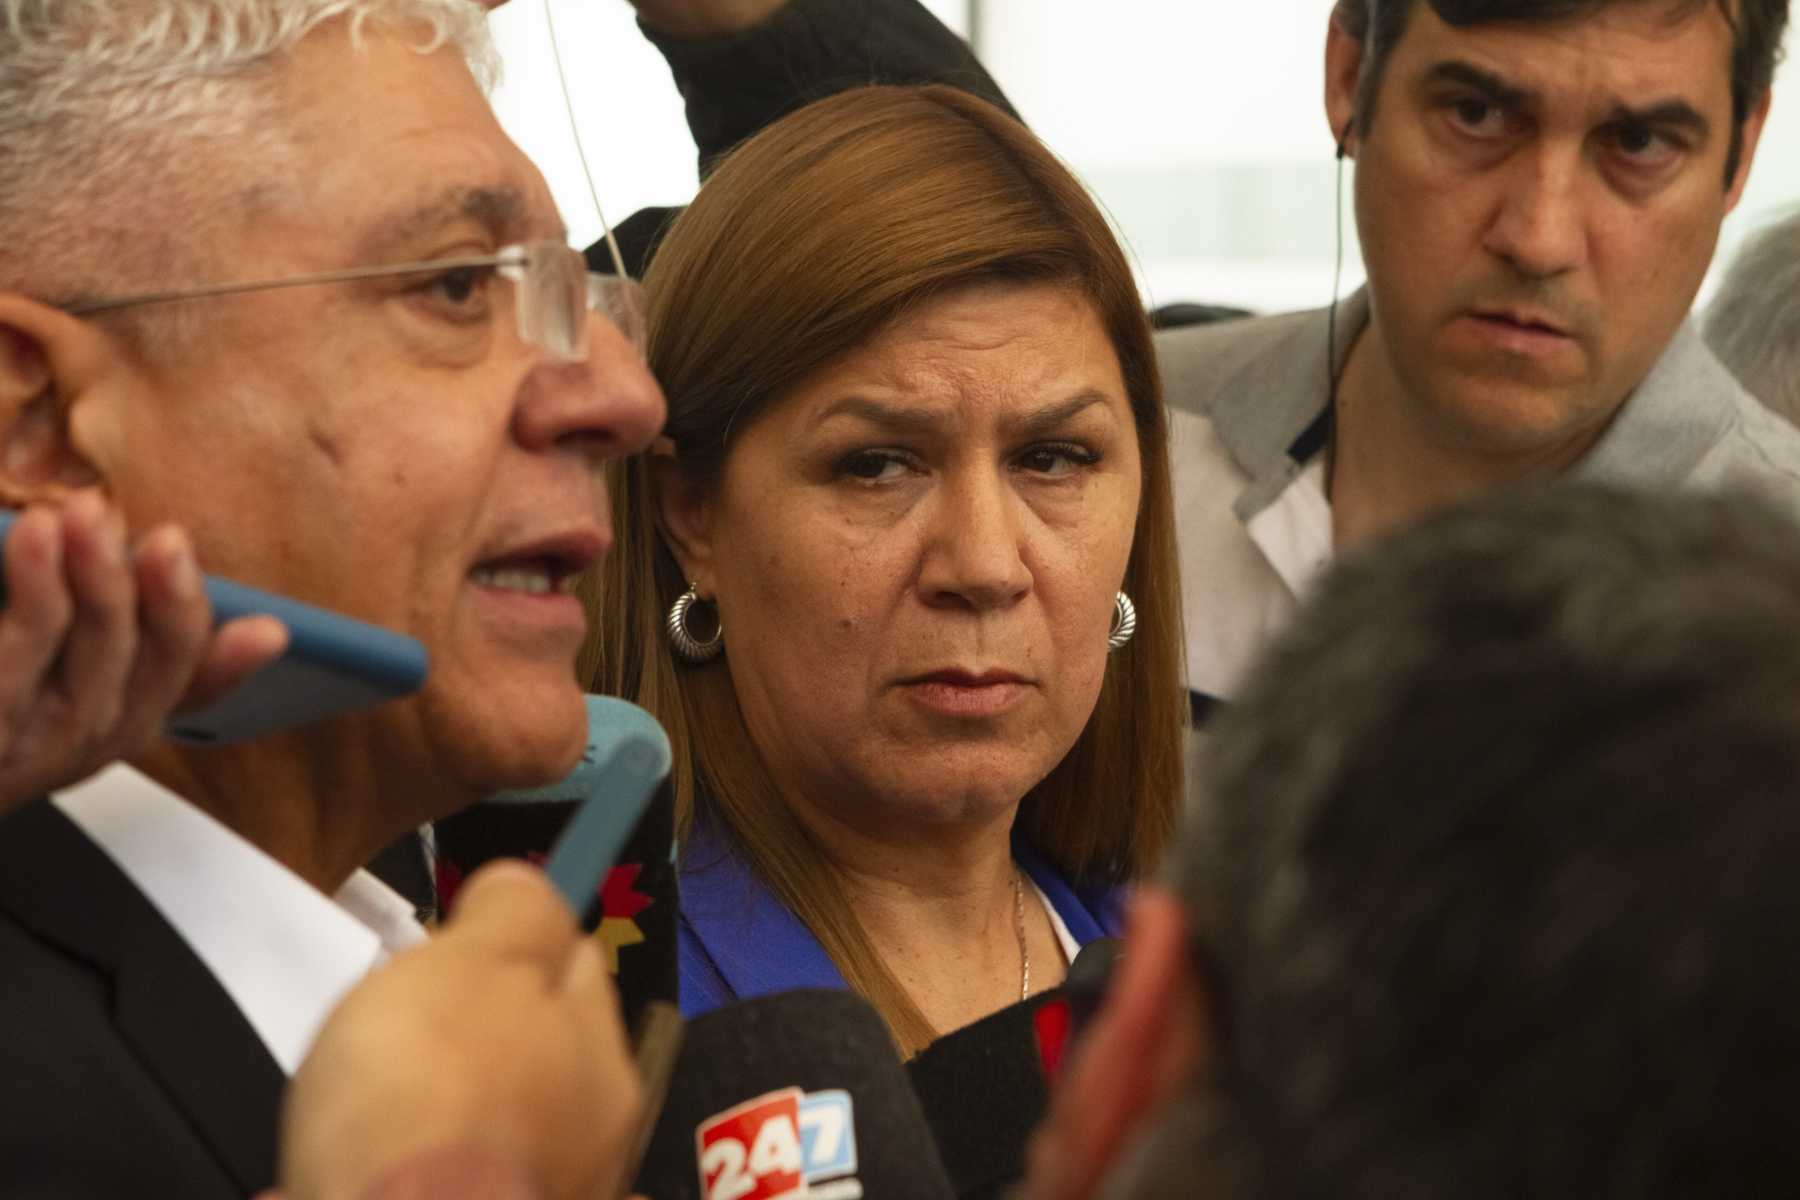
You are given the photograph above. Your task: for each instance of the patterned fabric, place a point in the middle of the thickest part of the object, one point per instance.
(632, 914)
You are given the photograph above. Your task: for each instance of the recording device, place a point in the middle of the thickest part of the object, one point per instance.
(626, 758)
(605, 807)
(984, 1089)
(333, 665)
(1089, 977)
(608, 841)
(795, 1094)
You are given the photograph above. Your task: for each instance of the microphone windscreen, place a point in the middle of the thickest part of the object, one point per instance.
(610, 721)
(983, 1089)
(1089, 977)
(794, 1094)
(633, 914)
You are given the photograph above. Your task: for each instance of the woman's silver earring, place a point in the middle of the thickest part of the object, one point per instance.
(688, 648)
(1124, 622)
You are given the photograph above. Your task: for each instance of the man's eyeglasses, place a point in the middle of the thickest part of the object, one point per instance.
(552, 288)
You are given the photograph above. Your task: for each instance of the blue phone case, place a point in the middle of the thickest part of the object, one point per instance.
(334, 664)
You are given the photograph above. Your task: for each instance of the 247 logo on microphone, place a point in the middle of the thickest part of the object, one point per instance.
(784, 1144)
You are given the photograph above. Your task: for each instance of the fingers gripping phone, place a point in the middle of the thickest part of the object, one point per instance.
(333, 664)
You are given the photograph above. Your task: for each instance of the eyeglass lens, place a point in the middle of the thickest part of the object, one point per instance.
(556, 294)
(620, 301)
(552, 301)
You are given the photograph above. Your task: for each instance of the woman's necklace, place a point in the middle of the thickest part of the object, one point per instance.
(1019, 928)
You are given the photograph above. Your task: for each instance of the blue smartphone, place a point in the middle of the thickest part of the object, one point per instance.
(334, 664)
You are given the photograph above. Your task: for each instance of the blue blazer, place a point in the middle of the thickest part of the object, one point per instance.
(735, 940)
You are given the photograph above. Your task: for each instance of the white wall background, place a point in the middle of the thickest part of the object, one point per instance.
(1210, 151)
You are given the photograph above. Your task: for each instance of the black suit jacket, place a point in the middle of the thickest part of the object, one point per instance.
(125, 1069)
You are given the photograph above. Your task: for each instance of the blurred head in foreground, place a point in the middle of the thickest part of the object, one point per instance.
(1492, 885)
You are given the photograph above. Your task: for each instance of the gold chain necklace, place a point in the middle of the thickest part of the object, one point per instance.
(1019, 928)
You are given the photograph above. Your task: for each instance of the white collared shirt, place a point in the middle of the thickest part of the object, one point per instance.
(1240, 581)
(284, 951)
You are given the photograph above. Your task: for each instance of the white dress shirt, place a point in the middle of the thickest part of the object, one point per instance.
(284, 951)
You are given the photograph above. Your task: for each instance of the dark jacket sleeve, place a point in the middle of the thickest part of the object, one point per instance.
(735, 86)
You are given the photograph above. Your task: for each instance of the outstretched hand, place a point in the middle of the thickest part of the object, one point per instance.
(99, 644)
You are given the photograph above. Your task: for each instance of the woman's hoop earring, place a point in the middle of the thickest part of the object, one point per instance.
(688, 648)
(1124, 622)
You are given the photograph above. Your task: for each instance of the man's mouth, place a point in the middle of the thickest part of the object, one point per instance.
(545, 567)
(539, 578)
(1530, 322)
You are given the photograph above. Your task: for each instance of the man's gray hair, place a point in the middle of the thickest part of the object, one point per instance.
(97, 95)
(1753, 324)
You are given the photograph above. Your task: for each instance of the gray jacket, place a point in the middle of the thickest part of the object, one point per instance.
(1246, 402)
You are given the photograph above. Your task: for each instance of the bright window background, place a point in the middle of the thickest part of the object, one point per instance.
(630, 114)
(1206, 143)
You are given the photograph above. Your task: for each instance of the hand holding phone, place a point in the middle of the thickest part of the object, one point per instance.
(229, 662)
(99, 644)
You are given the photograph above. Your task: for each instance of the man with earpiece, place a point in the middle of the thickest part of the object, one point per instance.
(1537, 199)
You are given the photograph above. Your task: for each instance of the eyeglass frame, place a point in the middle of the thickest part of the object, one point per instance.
(526, 265)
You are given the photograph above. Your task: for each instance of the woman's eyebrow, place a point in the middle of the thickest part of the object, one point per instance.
(913, 419)
(1053, 416)
(894, 418)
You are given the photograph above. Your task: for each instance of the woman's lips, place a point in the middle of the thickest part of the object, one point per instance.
(966, 694)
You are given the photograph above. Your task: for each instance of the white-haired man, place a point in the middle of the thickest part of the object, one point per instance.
(175, 178)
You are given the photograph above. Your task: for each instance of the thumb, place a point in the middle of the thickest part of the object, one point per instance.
(511, 910)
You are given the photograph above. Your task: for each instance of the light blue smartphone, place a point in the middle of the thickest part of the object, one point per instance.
(334, 664)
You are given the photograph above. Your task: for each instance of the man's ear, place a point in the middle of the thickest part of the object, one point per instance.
(1150, 1037)
(48, 359)
(684, 513)
(1750, 135)
(1343, 74)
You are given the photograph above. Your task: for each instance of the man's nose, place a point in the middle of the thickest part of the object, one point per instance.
(609, 404)
(1539, 225)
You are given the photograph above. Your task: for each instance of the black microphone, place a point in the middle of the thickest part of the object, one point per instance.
(1090, 975)
(796, 1094)
(984, 1088)
(633, 913)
